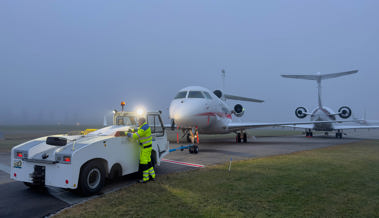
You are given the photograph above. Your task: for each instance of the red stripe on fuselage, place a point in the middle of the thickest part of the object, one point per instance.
(229, 116)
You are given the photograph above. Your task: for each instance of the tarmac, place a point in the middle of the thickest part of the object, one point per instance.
(18, 200)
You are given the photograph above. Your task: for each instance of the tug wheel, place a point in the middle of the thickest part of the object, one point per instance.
(91, 178)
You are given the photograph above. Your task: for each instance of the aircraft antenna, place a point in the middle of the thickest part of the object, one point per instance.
(223, 79)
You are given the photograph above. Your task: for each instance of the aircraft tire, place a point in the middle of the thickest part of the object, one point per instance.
(238, 138)
(195, 149)
(244, 138)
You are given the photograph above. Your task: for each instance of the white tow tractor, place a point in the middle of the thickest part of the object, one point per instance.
(84, 161)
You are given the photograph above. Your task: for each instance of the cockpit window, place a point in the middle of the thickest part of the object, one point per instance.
(207, 95)
(195, 94)
(181, 95)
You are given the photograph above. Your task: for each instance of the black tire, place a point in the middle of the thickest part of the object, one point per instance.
(91, 178)
(195, 149)
(116, 172)
(190, 149)
(339, 135)
(244, 138)
(34, 186)
(238, 137)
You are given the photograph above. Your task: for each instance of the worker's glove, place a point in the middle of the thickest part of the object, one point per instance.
(129, 134)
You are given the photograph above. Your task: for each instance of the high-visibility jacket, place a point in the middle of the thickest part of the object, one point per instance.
(144, 135)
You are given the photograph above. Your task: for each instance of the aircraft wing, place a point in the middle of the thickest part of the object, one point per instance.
(239, 98)
(238, 126)
(301, 126)
(356, 127)
(336, 127)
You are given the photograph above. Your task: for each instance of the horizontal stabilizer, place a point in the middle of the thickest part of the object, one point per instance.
(239, 98)
(320, 76)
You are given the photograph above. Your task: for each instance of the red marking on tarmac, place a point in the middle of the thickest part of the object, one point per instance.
(182, 163)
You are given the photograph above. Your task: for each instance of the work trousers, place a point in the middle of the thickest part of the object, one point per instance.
(146, 166)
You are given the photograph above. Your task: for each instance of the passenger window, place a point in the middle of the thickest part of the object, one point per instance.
(155, 124)
(181, 95)
(195, 94)
(207, 95)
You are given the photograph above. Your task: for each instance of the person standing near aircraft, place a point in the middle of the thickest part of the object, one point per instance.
(144, 137)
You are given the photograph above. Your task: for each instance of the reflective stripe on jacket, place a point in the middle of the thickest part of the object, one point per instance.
(144, 135)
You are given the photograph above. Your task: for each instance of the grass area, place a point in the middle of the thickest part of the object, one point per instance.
(338, 181)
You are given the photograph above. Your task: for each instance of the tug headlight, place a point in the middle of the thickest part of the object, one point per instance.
(141, 112)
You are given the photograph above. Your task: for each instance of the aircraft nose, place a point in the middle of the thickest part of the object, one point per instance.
(183, 112)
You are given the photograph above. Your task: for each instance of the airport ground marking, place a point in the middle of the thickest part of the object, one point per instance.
(183, 163)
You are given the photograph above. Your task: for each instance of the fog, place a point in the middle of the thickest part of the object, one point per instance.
(63, 62)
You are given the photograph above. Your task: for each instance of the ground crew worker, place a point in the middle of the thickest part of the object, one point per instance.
(144, 137)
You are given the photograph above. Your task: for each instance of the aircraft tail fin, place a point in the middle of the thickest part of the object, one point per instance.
(320, 76)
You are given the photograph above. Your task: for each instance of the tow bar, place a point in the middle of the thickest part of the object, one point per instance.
(192, 148)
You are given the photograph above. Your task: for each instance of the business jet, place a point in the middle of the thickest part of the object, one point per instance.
(197, 110)
(322, 113)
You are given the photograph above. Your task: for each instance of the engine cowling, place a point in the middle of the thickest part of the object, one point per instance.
(238, 110)
(344, 112)
(301, 112)
(218, 93)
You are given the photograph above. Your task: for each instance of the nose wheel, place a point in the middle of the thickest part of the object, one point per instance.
(193, 149)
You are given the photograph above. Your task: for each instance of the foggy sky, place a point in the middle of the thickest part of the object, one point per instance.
(75, 61)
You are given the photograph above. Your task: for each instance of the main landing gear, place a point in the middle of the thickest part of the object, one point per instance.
(309, 133)
(241, 136)
(339, 134)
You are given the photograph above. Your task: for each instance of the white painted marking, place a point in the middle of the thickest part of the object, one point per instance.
(5, 168)
(183, 163)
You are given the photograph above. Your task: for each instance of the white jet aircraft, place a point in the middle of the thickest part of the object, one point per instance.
(196, 109)
(322, 113)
